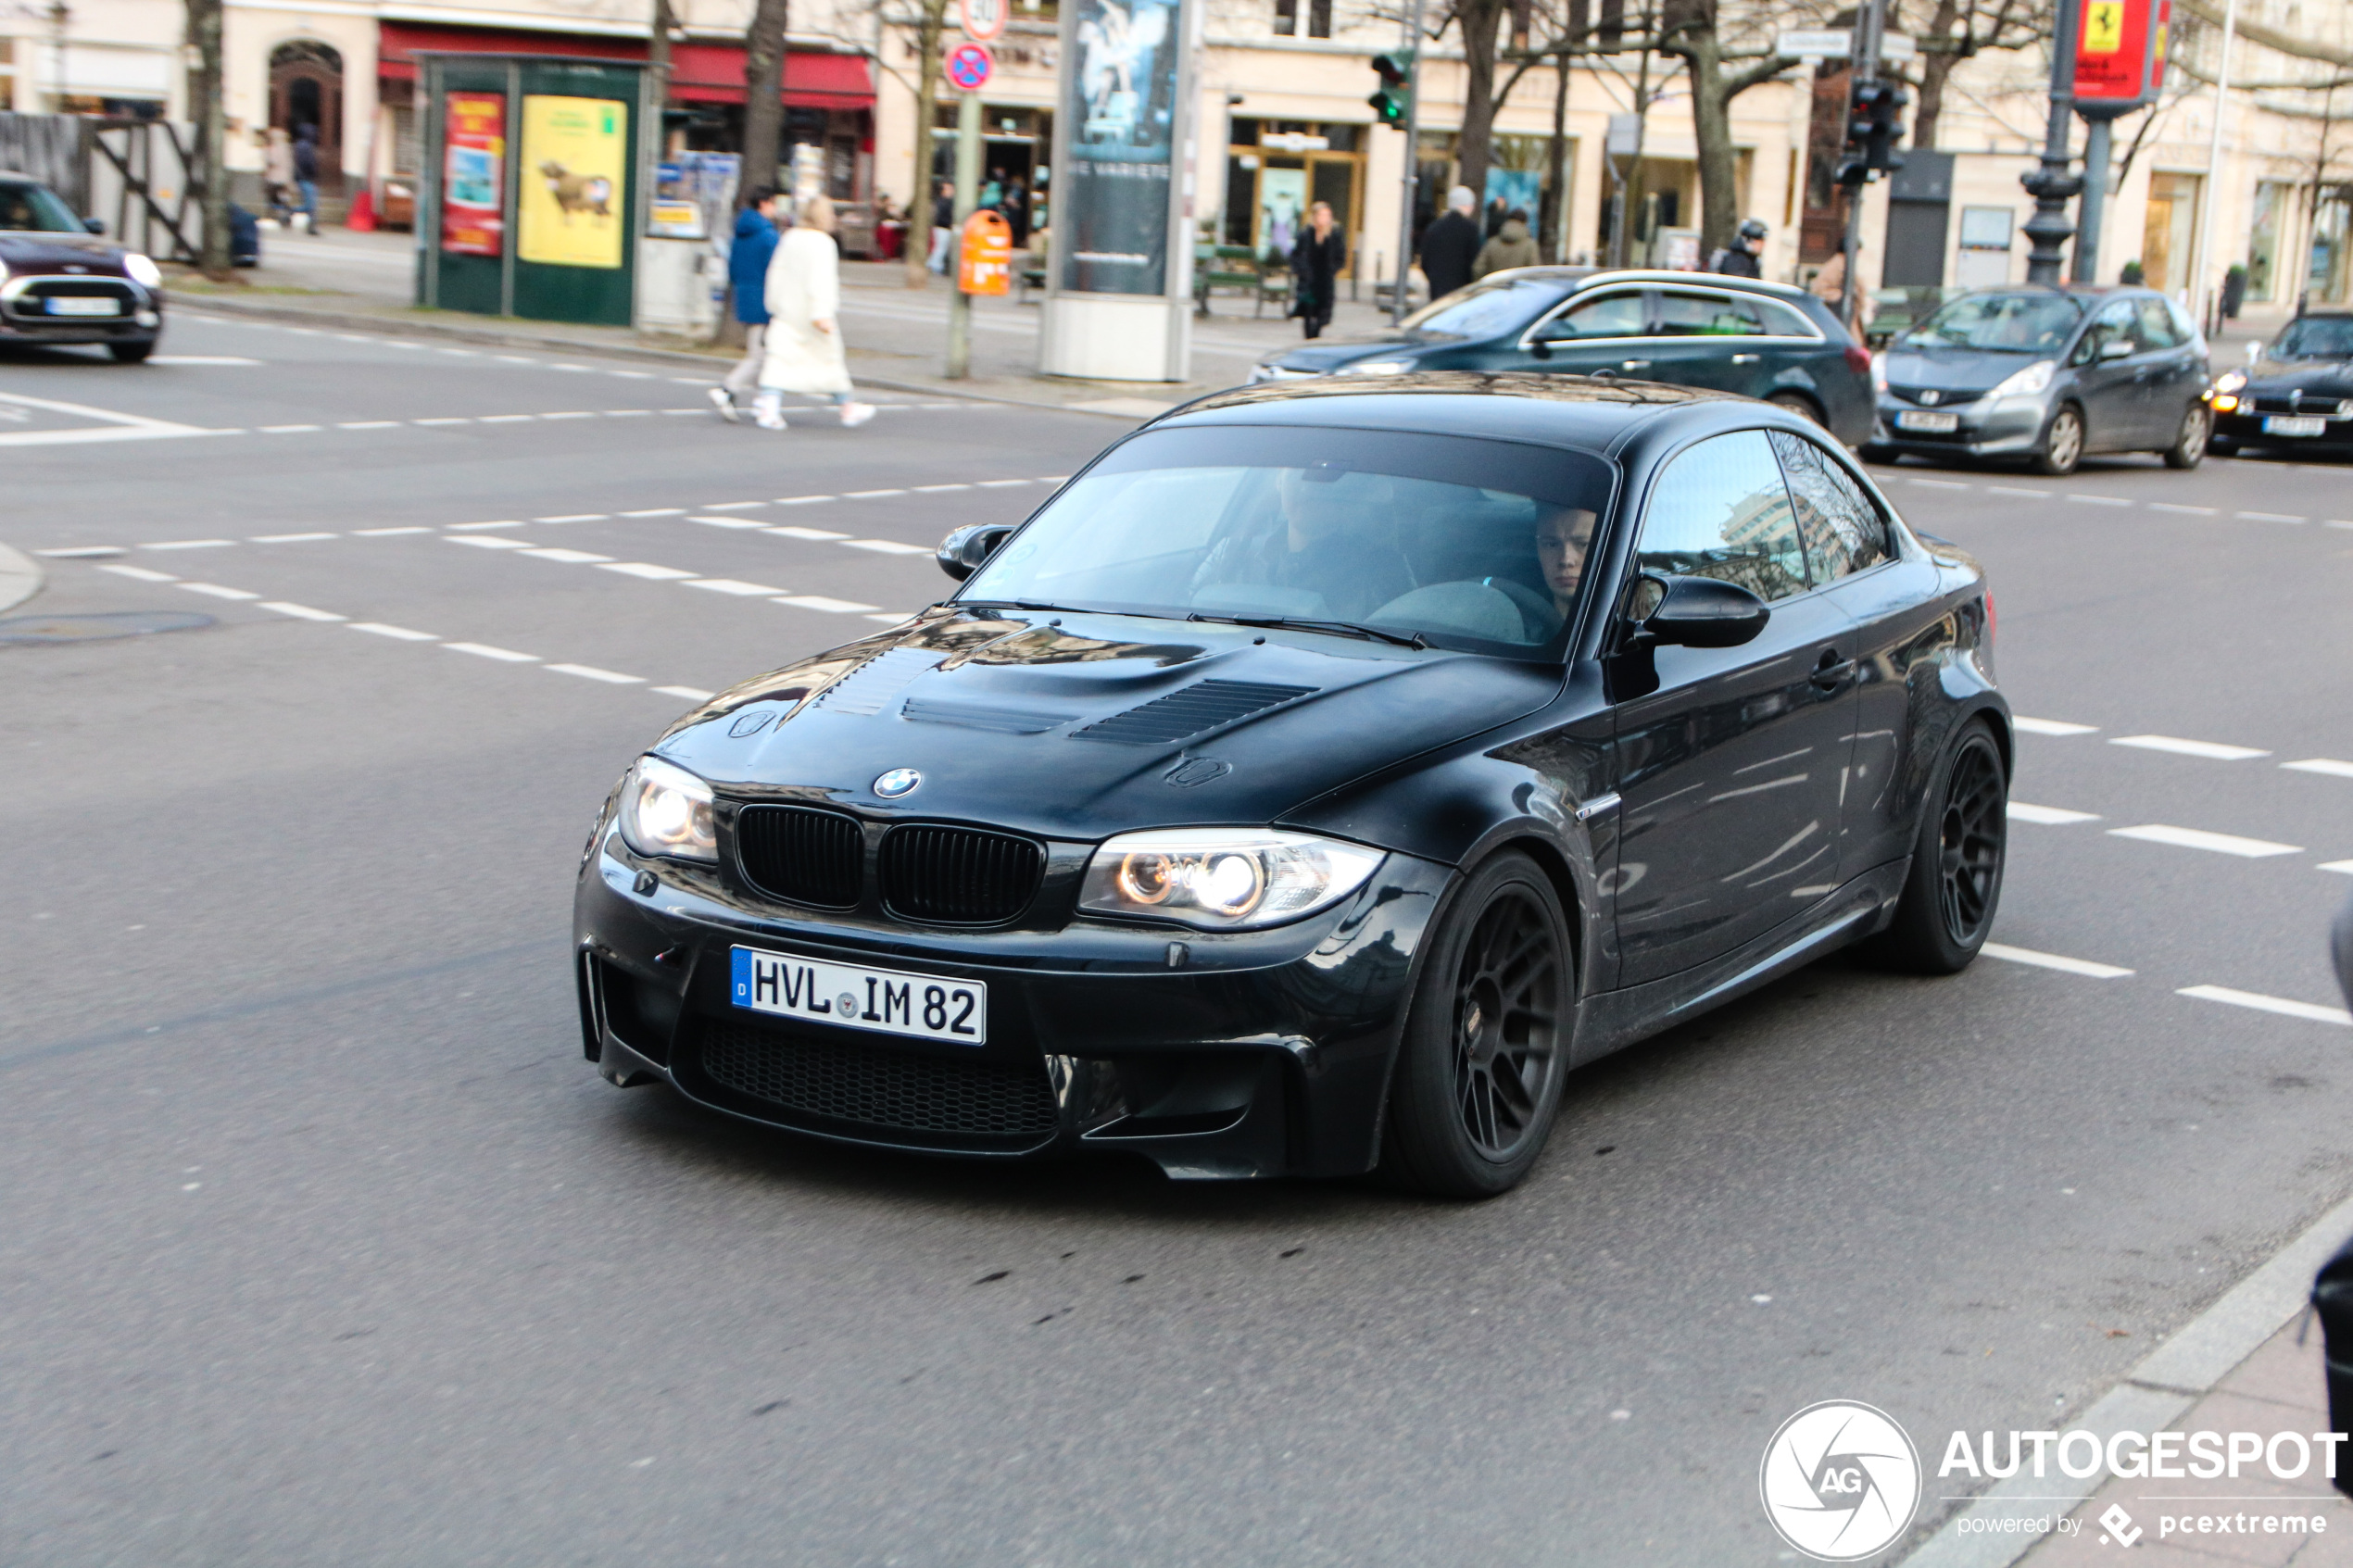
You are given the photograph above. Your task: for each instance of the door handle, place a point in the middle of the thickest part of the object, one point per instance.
(1830, 671)
(1634, 365)
(1746, 359)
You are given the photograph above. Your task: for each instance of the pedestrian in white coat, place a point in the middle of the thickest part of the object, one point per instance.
(803, 348)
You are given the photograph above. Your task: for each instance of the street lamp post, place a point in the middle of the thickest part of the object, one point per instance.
(2201, 294)
(2052, 185)
(1411, 182)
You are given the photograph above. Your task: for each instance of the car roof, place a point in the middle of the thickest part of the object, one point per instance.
(1702, 280)
(1551, 411)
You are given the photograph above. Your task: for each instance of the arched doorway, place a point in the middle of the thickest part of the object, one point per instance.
(305, 88)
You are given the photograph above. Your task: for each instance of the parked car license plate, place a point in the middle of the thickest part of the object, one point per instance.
(1915, 419)
(2294, 424)
(82, 304)
(887, 1001)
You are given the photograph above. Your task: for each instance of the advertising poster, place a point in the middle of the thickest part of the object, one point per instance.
(1120, 104)
(2121, 54)
(574, 174)
(1282, 207)
(473, 177)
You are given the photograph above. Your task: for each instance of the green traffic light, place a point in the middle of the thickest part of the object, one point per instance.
(1393, 104)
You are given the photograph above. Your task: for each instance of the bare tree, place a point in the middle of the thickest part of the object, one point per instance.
(1478, 21)
(764, 91)
(929, 28)
(1691, 31)
(1954, 31)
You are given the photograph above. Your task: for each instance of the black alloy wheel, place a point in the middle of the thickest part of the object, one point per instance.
(131, 353)
(2063, 442)
(2189, 443)
(1954, 886)
(1486, 1048)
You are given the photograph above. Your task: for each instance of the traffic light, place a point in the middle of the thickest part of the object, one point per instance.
(1393, 102)
(1874, 124)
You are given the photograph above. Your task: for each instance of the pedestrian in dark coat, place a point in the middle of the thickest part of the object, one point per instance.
(306, 174)
(1511, 247)
(1316, 259)
(1450, 244)
(748, 260)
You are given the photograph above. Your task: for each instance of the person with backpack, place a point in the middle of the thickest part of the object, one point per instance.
(748, 278)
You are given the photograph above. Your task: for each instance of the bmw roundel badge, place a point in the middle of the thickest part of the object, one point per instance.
(898, 781)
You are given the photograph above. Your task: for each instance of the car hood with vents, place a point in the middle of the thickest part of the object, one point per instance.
(1085, 725)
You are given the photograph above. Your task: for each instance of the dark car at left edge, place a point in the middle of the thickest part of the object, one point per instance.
(1310, 785)
(1743, 335)
(62, 282)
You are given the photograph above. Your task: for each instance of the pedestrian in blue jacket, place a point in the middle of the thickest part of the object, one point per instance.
(747, 276)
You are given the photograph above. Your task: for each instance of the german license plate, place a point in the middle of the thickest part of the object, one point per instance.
(1914, 418)
(82, 304)
(887, 1001)
(2294, 424)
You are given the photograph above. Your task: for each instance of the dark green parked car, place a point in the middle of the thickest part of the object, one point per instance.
(1687, 329)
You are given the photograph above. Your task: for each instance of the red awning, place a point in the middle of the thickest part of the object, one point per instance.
(702, 73)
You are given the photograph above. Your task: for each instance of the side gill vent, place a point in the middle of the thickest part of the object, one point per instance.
(1204, 705)
(869, 687)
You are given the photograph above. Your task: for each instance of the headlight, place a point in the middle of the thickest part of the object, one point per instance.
(1377, 368)
(666, 810)
(2027, 382)
(2231, 381)
(143, 271)
(1878, 372)
(1223, 879)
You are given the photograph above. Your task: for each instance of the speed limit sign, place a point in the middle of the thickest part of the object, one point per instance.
(969, 65)
(983, 19)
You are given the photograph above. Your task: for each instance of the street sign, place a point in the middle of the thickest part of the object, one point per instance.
(983, 20)
(1625, 135)
(1837, 44)
(970, 65)
(2119, 57)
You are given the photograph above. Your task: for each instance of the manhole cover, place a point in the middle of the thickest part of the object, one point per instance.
(96, 628)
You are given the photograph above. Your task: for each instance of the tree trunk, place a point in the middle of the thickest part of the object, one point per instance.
(931, 22)
(658, 66)
(1934, 67)
(212, 132)
(1712, 126)
(763, 92)
(1473, 152)
(1555, 165)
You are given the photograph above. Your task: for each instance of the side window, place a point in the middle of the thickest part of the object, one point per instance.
(2116, 320)
(1721, 510)
(2156, 326)
(1843, 531)
(1611, 315)
(1707, 314)
(1783, 321)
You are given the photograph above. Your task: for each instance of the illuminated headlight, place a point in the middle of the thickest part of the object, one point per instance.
(2225, 404)
(143, 270)
(2231, 381)
(2035, 379)
(1223, 878)
(1377, 368)
(666, 810)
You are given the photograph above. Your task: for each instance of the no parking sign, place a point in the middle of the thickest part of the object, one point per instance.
(969, 65)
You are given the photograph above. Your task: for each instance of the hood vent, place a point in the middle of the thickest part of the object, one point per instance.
(1190, 710)
(1004, 720)
(869, 687)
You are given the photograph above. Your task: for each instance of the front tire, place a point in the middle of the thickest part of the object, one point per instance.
(2189, 443)
(1948, 901)
(131, 353)
(1486, 1048)
(2062, 443)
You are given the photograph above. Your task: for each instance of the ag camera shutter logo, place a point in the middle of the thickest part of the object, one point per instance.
(1841, 1481)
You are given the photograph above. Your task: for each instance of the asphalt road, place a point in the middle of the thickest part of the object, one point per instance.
(323, 1245)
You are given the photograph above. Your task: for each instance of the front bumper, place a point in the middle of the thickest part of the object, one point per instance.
(2246, 428)
(1267, 1053)
(24, 315)
(1985, 428)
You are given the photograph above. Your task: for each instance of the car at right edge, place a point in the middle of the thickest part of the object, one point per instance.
(2297, 392)
(2049, 375)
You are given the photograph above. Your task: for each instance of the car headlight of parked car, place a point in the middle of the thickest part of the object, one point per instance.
(2033, 379)
(1878, 372)
(1223, 879)
(666, 810)
(143, 270)
(2231, 381)
(1377, 368)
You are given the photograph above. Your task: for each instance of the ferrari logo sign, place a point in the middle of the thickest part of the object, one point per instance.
(2103, 27)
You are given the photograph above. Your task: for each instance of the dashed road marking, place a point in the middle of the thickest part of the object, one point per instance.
(569, 558)
(386, 532)
(816, 535)
(590, 672)
(731, 506)
(692, 693)
(82, 552)
(2048, 816)
(2014, 490)
(658, 511)
(647, 571)
(2099, 500)
(286, 430)
(803, 501)
(2051, 727)
(369, 424)
(300, 613)
(397, 633)
(2198, 839)
(868, 494)
(734, 587)
(468, 527)
(140, 574)
(2343, 866)
(886, 547)
(2261, 1003)
(2271, 517)
(486, 650)
(190, 545)
(218, 592)
(2085, 967)
(1002, 484)
(2213, 751)
(728, 522)
(489, 541)
(290, 538)
(2177, 506)
(831, 606)
(2328, 765)
(576, 517)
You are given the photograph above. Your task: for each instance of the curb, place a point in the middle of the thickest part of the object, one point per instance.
(20, 578)
(495, 337)
(2167, 1381)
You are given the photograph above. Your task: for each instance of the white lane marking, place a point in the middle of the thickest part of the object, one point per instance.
(351, 337)
(803, 501)
(191, 544)
(569, 558)
(488, 542)
(815, 533)
(892, 618)
(2085, 967)
(693, 411)
(658, 511)
(465, 527)
(2261, 1003)
(886, 547)
(935, 489)
(301, 613)
(628, 413)
(397, 633)
(120, 427)
(732, 586)
(368, 424)
(571, 414)
(82, 552)
(218, 592)
(868, 495)
(731, 506)
(459, 353)
(284, 430)
(574, 517)
(688, 381)
(290, 538)
(507, 419)
(513, 360)
(2328, 765)
(2344, 866)
(2272, 517)
(200, 360)
(2198, 839)
(567, 366)
(728, 522)
(634, 375)
(590, 672)
(650, 572)
(2051, 727)
(692, 693)
(385, 533)
(2048, 816)
(2177, 506)
(483, 650)
(2014, 490)
(141, 573)
(2099, 500)
(1053, 478)
(1940, 483)
(2335, 523)
(819, 601)
(997, 483)
(2212, 750)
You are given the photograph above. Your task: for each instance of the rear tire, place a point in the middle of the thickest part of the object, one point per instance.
(131, 353)
(1486, 1046)
(2062, 445)
(1954, 886)
(2189, 443)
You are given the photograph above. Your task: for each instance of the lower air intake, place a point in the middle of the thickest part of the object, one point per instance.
(878, 1089)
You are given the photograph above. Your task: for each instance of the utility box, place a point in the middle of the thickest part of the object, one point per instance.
(534, 190)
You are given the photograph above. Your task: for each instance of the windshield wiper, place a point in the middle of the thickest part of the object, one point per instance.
(1338, 628)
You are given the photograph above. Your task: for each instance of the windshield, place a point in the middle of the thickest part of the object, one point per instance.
(27, 205)
(1500, 305)
(2004, 323)
(2316, 337)
(1461, 543)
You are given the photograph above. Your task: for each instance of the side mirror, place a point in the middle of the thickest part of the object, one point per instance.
(1540, 349)
(2117, 348)
(1702, 612)
(95, 225)
(967, 550)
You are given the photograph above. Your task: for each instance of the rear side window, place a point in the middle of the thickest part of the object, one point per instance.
(1783, 321)
(2156, 326)
(1611, 315)
(1843, 531)
(1707, 315)
(1721, 510)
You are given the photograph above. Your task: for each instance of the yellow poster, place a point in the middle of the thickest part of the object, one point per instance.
(2103, 27)
(574, 181)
